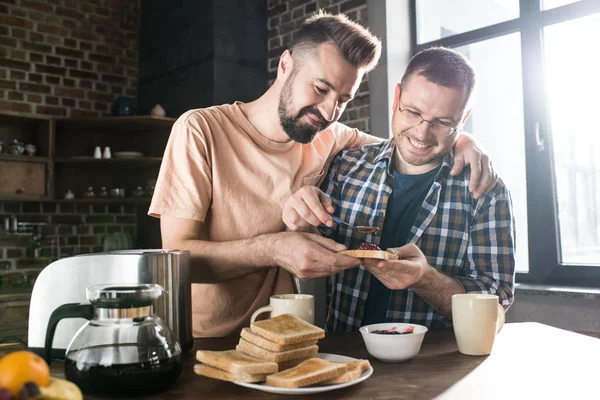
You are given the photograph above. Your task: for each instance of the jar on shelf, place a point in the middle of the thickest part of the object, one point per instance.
(137, 192)
(103, 192)
(89, 193)
(150, 187)
(30, 149)
(117, 193)
(16, 148)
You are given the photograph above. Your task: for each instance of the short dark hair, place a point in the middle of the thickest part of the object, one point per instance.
(444, 67)
(355, 43)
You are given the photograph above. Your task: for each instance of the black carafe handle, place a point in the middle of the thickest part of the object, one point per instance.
(72, 310)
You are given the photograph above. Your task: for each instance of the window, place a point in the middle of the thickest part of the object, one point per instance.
(535, 113)
(497, 119)
(437, 19)
(573, 108)
(548, 4)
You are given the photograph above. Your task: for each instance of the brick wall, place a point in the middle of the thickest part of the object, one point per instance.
(64, 58)
(285, 16)
(67, 57)
(69, 229)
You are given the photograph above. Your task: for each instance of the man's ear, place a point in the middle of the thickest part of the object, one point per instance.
(285, 66)
(396, 98)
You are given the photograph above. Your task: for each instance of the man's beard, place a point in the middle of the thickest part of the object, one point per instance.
(297, 131)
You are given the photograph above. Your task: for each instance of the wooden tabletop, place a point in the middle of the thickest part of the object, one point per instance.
(529, 360)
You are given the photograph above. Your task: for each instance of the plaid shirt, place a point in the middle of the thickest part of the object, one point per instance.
(470, 240)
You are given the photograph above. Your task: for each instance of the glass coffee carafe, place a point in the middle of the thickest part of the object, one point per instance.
(124, 349)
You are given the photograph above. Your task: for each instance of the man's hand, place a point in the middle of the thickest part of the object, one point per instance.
(413, 271)
(303, 254)
(405, 272)
(309, 206)
(308, 256)
(468, 152)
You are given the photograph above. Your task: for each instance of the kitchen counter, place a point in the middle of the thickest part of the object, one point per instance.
(567, 292)
(529, 360)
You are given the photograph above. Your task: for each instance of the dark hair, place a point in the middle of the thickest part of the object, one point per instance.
(444, 67)
(355, 43)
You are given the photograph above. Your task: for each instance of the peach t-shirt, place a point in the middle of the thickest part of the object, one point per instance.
(219, 170)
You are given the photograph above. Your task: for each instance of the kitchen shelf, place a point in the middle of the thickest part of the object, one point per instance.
(59, 168)
(111, 161)
(24, 158)
(142, 200)
(106, 200)
(21, 198)
(139, 123)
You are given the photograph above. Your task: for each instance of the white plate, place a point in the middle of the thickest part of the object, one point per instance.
(127, 154)
(312, 389)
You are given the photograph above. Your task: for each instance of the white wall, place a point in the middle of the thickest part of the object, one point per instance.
(390, 21)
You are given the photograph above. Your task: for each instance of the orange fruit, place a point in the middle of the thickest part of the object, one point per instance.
(21, 367)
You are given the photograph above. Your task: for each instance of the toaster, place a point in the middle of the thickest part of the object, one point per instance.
(64, 282)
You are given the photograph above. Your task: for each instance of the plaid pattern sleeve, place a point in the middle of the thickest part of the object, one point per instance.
(471, 240)
(490, 259)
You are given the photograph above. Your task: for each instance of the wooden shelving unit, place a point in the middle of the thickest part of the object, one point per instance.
(138, 123)
(141, 200)
(26, 177)
(63, 161)
(64, 158)
(96, 200)
(112, 161)
(31, 159)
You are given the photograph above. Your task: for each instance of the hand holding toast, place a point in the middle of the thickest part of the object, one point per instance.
(402, 273)
(309, 256)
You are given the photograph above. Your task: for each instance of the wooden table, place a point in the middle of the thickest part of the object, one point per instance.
(529, 360)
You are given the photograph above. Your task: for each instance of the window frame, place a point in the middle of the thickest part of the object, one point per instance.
(544, 252)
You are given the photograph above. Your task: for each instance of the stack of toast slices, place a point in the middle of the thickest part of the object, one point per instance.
(285, 339)
(281, 352)
(233, 366)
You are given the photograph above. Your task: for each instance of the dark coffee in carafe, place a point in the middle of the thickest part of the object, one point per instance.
(121, 378)
(124, 349)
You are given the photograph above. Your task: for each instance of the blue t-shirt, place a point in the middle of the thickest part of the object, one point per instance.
(402, 209)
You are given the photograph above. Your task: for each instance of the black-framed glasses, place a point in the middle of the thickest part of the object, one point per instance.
(437, 127)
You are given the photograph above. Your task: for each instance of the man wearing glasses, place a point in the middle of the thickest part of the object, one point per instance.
(447, 242)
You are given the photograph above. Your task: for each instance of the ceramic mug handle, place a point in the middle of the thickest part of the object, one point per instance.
(501, 318)
(261, 310)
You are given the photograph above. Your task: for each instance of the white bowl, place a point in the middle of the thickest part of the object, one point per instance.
(393, 348)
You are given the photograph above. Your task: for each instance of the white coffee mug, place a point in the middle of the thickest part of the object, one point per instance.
(477, 318)
(301, 305)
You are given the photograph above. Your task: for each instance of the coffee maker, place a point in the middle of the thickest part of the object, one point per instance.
(65, 282)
